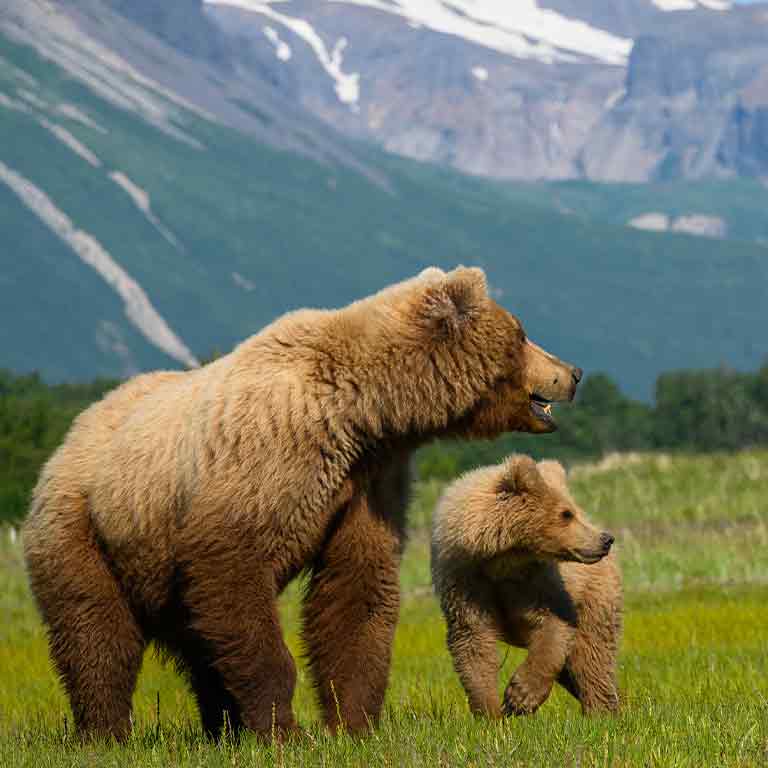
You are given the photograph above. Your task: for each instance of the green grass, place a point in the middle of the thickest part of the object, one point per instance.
(693, 541)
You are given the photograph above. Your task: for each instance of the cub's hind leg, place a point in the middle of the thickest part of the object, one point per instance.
(591, 665)
(590, 674)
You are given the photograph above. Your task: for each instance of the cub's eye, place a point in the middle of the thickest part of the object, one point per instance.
(567, 514)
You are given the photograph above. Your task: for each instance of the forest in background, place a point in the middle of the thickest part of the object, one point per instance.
(692, 412)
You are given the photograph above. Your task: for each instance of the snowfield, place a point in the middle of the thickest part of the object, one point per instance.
(520, 29)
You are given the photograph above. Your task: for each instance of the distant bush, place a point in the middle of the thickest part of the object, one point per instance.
(34, 417)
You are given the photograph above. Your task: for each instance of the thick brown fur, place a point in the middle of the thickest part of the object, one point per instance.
(514, 559)
(181, 505)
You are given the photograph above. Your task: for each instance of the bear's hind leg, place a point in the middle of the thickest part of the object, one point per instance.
(219, 712)
(231, 597)
(94, 638)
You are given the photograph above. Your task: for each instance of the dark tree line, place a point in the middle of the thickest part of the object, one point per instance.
(695, 411)
(34, 418)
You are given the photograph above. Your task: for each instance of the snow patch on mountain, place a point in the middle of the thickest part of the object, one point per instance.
(701, 224)
(519, 28)
(615, 98)
(347, 85)
(110, 338)
(71, 112)
(282, 49)
(8, 103)
(140, 198)
(138, 307)
(66, 138)
(32, 98)
(243, 282)
(480, 73)
(650, 222)
(698, 224)
(692, 5)
(18, 74)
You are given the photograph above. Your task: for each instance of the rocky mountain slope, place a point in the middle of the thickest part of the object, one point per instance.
(633, 90)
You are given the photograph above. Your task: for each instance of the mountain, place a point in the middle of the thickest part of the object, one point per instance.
(627, 90)
(156, 210)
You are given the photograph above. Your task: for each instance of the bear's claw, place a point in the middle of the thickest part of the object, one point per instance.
(523, 699)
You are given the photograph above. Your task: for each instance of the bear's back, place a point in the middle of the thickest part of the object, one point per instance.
(67, 479)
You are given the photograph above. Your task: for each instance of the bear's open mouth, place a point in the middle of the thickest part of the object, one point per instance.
(586, 557)
(542, 409)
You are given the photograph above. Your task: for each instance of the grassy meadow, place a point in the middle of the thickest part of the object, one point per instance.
(692, 533)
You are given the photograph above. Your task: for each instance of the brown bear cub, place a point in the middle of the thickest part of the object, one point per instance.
(514, 559)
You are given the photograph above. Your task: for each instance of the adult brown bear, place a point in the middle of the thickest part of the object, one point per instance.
(180, 506)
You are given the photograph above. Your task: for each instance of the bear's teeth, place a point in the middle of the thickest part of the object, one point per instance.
(548, 410)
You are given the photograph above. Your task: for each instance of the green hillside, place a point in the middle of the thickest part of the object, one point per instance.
(258, 232)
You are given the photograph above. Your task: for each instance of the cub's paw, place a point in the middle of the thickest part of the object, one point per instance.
(523, 698)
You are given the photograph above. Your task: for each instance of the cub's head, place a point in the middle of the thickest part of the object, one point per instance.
(457, 346)
(550, 524)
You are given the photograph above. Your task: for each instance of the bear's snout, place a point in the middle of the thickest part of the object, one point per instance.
(606, 541)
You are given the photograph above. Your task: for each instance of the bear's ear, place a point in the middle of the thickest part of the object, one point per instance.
(520, 475)
(431, 273)
(553, 473)
(451, 301)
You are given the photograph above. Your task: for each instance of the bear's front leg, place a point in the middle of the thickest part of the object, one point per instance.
(351, 608)
(548, 648)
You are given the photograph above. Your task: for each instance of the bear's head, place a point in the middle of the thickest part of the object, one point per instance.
(549, 524)
(445, 349)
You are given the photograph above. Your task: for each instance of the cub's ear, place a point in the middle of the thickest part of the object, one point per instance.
(519, 475)
(453, 300)
(553, 473)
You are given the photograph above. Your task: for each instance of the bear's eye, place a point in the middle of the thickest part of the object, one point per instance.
(567, 514)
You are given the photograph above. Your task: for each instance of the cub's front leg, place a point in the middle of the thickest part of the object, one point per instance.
(548, 648)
